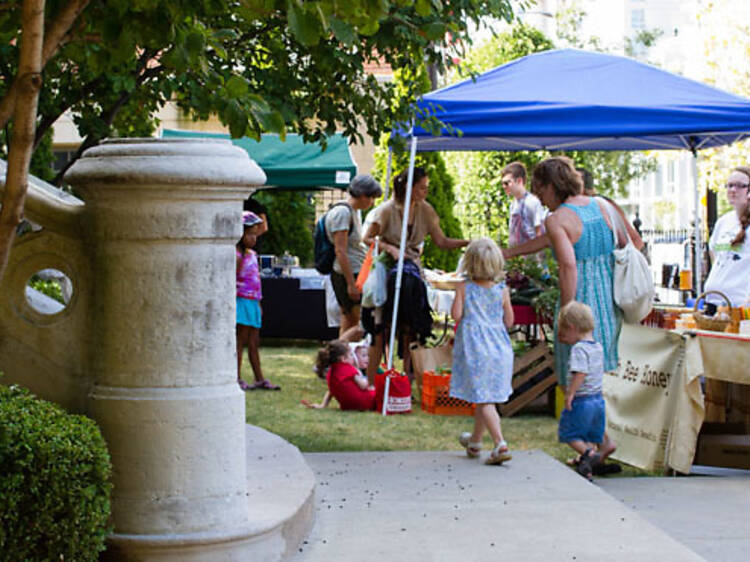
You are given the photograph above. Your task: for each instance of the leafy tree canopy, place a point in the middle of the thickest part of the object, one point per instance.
(260, 65)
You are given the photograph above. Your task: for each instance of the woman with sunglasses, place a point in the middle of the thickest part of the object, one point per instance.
(729, 244)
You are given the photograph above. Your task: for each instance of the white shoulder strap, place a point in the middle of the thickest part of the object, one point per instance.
(616, 220)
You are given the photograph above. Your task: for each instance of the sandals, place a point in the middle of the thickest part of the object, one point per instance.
(472, 449)
(499, 454)
(264, 384)
(587, 462)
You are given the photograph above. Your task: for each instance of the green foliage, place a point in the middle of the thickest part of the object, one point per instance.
(50, 288)
(482, 202)
(519, 41)
(290, 223)
(535, 279)
(260, 65)
(54, 483)
(442, 198)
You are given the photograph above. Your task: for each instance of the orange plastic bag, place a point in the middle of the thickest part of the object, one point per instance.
(364, 272)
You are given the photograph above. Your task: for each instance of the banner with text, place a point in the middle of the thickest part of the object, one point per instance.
(642, 395)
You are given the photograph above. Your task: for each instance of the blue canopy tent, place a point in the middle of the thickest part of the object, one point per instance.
(571, 99)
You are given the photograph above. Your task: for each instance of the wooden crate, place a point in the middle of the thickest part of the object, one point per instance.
(533, 375)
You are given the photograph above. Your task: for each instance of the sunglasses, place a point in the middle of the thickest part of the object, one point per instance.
(732, 185)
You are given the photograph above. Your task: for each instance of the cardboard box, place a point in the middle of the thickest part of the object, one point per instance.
(730, 451)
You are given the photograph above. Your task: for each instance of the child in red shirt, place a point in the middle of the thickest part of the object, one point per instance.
(346, 383)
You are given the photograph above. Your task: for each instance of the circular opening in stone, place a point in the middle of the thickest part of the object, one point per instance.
(49, 291)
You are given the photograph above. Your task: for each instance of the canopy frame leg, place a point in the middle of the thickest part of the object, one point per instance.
(697, 238)
(400, 266)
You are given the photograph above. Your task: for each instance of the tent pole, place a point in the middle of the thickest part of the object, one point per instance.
(400, 266)
(697, 228)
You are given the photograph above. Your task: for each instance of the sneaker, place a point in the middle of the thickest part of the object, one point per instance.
(588, 460)
(472, 449)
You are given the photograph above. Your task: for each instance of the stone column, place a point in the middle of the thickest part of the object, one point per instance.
(162, 218)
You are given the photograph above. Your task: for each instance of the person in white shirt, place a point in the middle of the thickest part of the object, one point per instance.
(730, 244)
(526, 210)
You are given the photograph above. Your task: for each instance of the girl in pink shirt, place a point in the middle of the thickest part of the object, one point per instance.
(248, 303)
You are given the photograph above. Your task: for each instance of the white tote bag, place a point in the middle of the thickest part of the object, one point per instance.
(633, 283)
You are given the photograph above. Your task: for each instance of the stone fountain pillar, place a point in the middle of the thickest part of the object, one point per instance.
(162, 218)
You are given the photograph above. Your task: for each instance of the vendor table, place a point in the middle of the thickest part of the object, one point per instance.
(655, 402)
(295, 308)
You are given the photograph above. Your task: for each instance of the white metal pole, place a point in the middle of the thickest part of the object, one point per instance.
(697, 238)
(400, 266)
(388, 172)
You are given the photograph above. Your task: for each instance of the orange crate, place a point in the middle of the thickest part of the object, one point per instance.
(436, 400)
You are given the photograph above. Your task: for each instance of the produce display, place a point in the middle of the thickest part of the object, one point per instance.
(534, 282)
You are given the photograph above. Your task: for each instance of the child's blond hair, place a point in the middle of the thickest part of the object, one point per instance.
(576, 315)
(483, 261)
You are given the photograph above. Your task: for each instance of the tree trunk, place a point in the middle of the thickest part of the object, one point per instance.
(29, 82)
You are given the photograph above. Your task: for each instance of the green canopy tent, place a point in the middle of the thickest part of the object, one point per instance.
(292, 164)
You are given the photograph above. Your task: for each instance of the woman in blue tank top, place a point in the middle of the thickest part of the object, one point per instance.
(581, 238)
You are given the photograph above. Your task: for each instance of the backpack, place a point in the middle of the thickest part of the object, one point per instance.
(325, 252)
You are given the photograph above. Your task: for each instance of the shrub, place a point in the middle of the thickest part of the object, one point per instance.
(291, 218)
(50, 288)
(54, 481)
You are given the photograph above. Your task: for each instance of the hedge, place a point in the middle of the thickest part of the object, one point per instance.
(54, 481)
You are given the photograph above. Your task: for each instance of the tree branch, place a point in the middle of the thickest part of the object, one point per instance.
(29, 82)
(108, 116)
(49, 120)
(53, 39)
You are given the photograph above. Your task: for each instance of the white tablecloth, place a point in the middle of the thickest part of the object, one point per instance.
(440, 301)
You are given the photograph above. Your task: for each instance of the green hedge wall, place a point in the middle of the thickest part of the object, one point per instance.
(54, 481)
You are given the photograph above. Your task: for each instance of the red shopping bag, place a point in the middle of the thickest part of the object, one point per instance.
(399, 392)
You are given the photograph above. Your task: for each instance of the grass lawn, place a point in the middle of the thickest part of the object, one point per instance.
(290, 366)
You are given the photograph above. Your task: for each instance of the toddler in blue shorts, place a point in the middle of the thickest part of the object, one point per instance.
(583, 419)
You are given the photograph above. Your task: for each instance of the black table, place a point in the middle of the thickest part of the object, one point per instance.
(291, 312)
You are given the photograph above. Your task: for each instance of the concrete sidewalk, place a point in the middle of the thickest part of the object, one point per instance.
(443, 506)
(708, 511)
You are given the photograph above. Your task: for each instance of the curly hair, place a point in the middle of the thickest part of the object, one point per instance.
(333, 352)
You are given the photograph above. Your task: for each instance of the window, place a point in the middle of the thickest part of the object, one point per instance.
(62, 157)
(638, 19)
(659, 183)
(671, 176)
